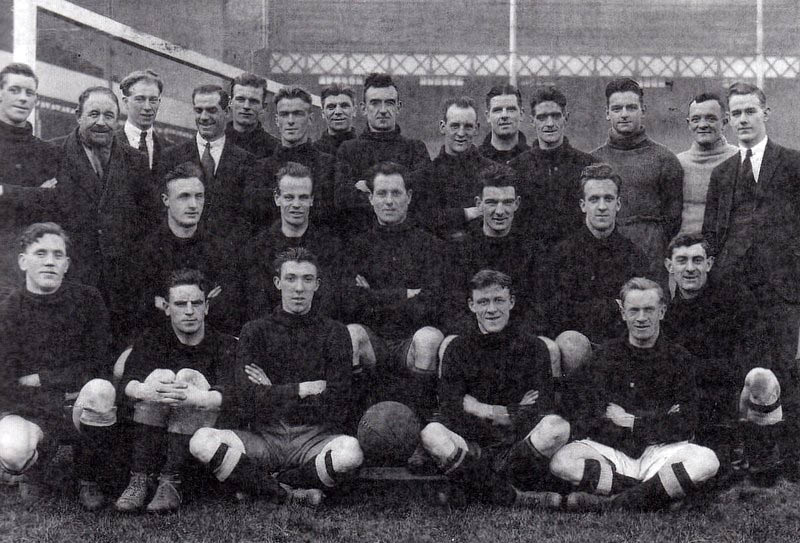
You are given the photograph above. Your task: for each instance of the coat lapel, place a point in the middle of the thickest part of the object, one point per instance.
(769, 163)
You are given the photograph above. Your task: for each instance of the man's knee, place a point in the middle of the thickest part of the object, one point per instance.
(568, 461)
(18, 441)
(206, 441)
(423, 356)
(700, 463)
(192, 377)
(95, 404)
(436, 440)
(759, 402)
(550, 435)
(346, 454)
(363, 351)
(442, 348)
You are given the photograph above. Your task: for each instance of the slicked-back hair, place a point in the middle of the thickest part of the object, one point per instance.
(294, 254)
(708, 97)
(287, 93)
(549, 94)
(38, 229)
(687, 240)
(335, 90)
(600, 170)
(641, 283)
(147, 75)
(497, 175)
(740, 87)
(463, 102)
(293, 169)
(185, 276)
(379, 81)
(224, 97)
(17, 68)
(501, 90)
(624, 84)
(489, 278)
(184, 170)
(96, 90)
(387, 168)
(250, 80)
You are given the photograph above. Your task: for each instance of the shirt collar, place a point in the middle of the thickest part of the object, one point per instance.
(133, 133)
(758, 150)
(217, 144)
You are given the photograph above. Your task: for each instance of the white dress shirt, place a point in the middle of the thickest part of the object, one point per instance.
(134, 134)
(758, 156)
(216, 148)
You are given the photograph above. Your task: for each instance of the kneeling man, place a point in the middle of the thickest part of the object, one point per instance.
(292, 381)
(496, 432)
(635, 405)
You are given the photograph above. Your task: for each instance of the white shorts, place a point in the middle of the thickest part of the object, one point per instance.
(646, 466)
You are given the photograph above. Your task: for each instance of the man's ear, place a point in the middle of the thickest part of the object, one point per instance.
(621, 308)
(363, 107)
(710, 263)
(471, 305)
(399, 105)
(442, 127)
(277, 282)
(479, 202)
(22, 261)
(161, 303)
(668, 265)
(165, 199)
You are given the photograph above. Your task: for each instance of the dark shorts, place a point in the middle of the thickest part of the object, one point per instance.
(282, 446)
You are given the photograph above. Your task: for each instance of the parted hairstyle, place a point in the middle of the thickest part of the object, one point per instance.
(294, 254)
(624, 84)
(387, 168)
(489, 278)
(17, 68)
(463, 102)
(287, 93)
(39, 229)
(707, 97)
(500, 90)
(600, 170)
(184, 170)
(224, 97)
(687, 240)
(548, 94)
(379, 81)
(740, 87)
(132, 78)
(95, 90)
(293, 169)
(335, 90)
(641, 283)
(498, 175)
(186, 276)
(251, 80)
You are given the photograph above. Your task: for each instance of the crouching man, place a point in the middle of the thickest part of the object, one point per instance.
(496, 433)
(55, 338)
(292, 380)
(635, 405)
(172, 385)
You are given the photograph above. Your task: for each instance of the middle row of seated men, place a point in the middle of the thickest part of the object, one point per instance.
(280, 400)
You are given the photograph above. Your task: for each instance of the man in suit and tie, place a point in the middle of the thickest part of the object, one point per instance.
(753, 221)
(226, 167)
(141, 94)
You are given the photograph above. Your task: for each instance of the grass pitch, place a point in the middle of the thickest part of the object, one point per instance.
(406, 512)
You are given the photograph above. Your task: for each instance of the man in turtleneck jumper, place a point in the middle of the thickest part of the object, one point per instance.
(293, 117)
(446, 188)
(549, 172)
(495, 432)
(338, 110)
(380, 142)
(503, 113)
(55, 339)
(707, 119)
(28, 165)
(589, 266)
(248, 97)
(652, 177)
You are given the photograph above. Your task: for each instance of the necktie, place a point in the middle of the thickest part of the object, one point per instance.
(208, 162)
(143, 142)
(747, 175)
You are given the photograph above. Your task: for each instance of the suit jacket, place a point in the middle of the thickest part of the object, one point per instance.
(226, 213)
(160, 144)
(775, 257)
(103, 216)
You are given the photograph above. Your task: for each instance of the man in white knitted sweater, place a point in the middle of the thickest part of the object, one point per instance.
(707, 119)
